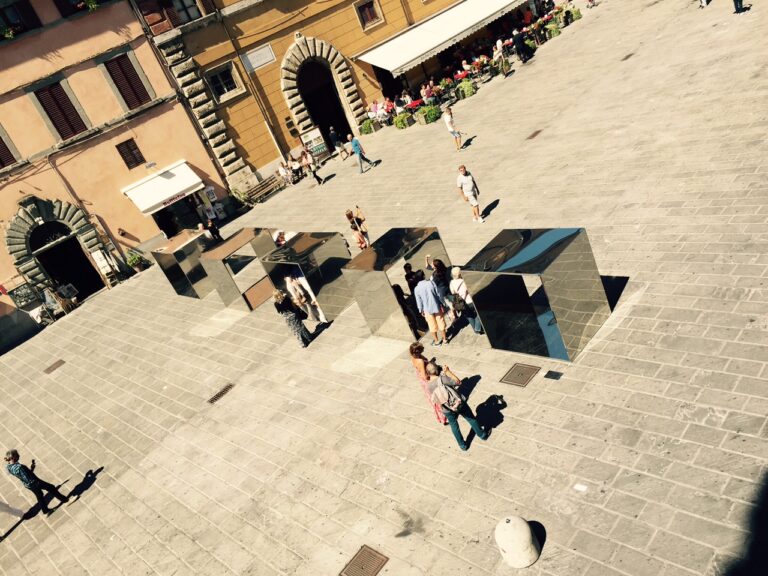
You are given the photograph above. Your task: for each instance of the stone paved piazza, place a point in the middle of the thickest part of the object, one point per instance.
(644, 459)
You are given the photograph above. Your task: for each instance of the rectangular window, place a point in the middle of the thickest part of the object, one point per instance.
(130, 153)
(224, 82)
(368, 12)
(60, 111)
(127, 81)
(17, 18)
(186, 10)
(6, 156)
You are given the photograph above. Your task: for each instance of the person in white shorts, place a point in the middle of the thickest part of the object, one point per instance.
(448, 119)
(468, 190)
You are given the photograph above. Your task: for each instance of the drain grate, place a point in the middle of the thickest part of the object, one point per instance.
(220, 394)
(55, 366)
(367, 562)
(520, 375)
(533, 134)
(553, 375)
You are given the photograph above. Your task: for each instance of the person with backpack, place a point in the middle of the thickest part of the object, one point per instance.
(443, 386)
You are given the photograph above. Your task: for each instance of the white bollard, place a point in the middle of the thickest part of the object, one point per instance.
(518, 544)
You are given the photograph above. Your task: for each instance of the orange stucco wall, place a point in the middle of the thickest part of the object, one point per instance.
(95, 171)
(43, 52)
(333, 21)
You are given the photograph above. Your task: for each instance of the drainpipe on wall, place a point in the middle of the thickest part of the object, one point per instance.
(256, 97)
(406, 13)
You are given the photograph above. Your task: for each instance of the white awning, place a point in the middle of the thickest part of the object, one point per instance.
(429, 38)
(163, 188)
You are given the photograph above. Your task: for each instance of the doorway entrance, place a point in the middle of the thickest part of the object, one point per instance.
(391, 87)
(59, 253)
(178, 216)
(321, 98)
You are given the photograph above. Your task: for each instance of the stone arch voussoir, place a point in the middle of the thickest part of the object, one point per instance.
(33, 212)
(306, 48)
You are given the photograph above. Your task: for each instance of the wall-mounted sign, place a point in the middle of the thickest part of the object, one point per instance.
(258, 57)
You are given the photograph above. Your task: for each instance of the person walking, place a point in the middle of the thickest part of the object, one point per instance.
(430, 306)
(467, 187)
(310, 165)
(357, 149)
(419, 361)
(462, 300)
(337, 144)
(451, 125)
(357, 221)
(30, 480)
(443, 388)
(290, 314)
(738, 6)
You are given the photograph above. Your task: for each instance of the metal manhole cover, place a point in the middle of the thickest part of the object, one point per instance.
(54, 366)
(220, 394)
(367, 562)
(520, 375)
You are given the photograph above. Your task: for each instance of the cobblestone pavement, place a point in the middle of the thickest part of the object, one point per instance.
(644, 459)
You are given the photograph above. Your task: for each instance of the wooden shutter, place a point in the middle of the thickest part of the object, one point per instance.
(128, 82)
(6, 158)
(130, 153)
(61, 111)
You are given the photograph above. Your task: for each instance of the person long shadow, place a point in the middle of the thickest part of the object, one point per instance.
(488, 415)
(329, 177)
(74, 495)
(468, 385)
(490, 207)
(468, 142)
(84, 485)
(319, 329)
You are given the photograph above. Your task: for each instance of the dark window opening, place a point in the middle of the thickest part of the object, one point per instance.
(222, 82)
(130, 154)
(127, 81)
(17, 18)
(60, 111)
(368, 13)
(68, 7)
(186, 10)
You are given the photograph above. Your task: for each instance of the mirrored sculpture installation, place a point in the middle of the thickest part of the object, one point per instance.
(235, 268)
(179, 259)
(380, 285)
(310, 264)
(538, 291)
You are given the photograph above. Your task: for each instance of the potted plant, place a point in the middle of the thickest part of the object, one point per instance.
(369, 126)
(136, 261)
(466, 88)
(402, 121)
(432, 113)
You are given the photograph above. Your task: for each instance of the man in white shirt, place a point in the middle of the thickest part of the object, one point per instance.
(468, 191)
(448, 119)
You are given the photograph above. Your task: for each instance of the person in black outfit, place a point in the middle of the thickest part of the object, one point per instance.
(214, 230)
(30, 480)
(522, 49)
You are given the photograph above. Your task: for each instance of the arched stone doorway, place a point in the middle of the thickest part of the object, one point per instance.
(49, 239)
(318, 92)
(314, 50)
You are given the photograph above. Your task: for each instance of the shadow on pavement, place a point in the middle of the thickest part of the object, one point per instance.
(754, 559)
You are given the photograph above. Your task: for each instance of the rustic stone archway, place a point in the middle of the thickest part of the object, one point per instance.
(33, 212)
(313, 48)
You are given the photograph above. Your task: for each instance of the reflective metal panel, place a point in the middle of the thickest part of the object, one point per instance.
(234, 267)
(380, 286)
(315, 259)
(179, 259)
(538, 291)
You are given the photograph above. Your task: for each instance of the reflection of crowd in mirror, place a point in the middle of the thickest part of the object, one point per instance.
(304, 298)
